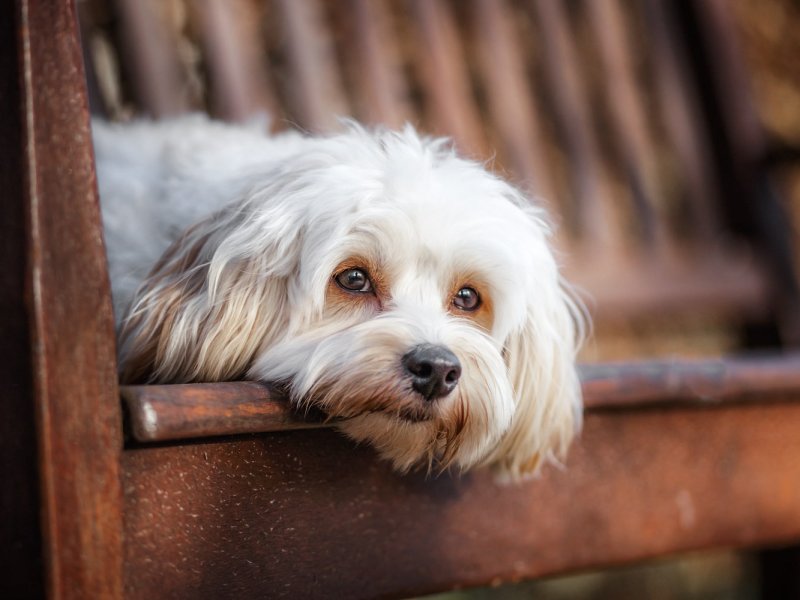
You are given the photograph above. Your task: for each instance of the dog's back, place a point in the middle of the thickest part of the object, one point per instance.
(157, 178)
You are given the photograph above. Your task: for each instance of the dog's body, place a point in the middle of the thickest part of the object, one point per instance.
(380, 277)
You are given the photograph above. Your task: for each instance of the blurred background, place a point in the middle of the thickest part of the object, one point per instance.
(664, 137)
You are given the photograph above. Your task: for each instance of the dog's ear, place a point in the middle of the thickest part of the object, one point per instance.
(208, 305)
(540, 357)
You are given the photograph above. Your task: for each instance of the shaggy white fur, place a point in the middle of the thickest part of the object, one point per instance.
(336, 266)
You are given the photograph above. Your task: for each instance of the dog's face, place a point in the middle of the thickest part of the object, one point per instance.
(390, 284)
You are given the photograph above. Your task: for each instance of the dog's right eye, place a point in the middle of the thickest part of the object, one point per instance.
(354, 280)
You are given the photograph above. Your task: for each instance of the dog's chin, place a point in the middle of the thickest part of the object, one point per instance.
(422, 414)
(407, 440)
(432, 437)
(418, 414)
(412, 416)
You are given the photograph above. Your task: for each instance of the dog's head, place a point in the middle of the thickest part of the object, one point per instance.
(387, 282)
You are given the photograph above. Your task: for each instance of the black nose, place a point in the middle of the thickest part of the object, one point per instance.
(434, 370)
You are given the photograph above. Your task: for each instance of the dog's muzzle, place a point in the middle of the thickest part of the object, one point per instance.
(434, 370)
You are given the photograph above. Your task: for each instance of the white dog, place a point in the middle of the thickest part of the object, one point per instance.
(384, 280)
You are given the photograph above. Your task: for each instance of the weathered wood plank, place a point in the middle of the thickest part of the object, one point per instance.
(373, 64)
(20, 527)
(174, 412)
(72, 381)
(572, 106)
(513, 109)
(230, 33)
(716, 285)
(695, 382)
(631, 131)
(439, 61)
(151, 55)
(308, 514)
(315, 94)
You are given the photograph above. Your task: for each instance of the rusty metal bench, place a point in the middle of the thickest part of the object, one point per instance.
(173, 493)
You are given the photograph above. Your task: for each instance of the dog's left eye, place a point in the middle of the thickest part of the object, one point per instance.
(354, 280)
(467, 299)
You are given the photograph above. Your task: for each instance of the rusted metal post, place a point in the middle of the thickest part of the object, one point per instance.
(61, 431)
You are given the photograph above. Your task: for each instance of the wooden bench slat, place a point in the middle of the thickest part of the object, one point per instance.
(160, 413)
(591, 214)
(315, 90)
(441, 68)
(175, 412)
(628, 120)
(310, 515)
(230, 32)
(20, 525)
(513, 108)
(150, 52)
(373, 63)
(70, 386)
(637, 287)
(679, 105)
